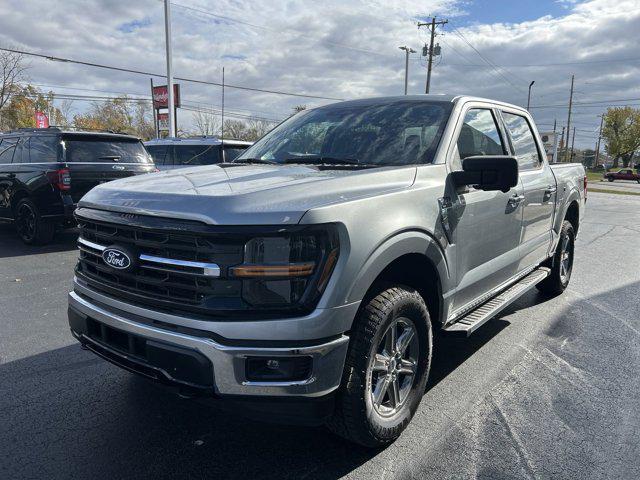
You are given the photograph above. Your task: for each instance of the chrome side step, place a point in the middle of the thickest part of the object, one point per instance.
(485, 312)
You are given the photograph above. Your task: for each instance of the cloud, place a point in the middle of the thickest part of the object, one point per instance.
(336, 48)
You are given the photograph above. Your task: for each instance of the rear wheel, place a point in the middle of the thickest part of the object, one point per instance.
(31, 227)
(610, 179)
(386, 368)
(561, 264)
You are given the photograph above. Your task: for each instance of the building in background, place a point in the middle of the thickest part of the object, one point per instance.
(550, 142)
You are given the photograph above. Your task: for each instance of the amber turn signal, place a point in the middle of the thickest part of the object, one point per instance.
(261, 271)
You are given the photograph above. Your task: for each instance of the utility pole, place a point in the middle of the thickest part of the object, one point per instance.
(170, 99)
(433, 24)
(561, 142)
(407, 51)
(573, 141)
(595, 163)
(529, 96)
(566, 149)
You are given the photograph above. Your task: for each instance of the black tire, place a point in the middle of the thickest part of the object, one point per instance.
(31, 227)
(611, 179)
(560, 275)
(356, 418)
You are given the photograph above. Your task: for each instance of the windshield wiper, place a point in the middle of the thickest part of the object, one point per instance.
(319, 160)
(254, 161)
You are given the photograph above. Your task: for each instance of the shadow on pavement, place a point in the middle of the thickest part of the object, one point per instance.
(12, 246)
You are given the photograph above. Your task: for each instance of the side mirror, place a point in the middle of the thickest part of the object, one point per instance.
(488, 172)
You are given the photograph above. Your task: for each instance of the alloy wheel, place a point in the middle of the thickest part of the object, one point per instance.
(26, 222)
(393, 367)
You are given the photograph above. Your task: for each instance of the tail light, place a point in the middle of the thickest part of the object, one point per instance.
(61, 179)
(585, 187)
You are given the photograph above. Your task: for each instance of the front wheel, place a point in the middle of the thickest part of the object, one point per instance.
(386, 368)
(610, 179)
(561, 263)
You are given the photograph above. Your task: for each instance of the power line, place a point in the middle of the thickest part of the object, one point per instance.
(516, 65)
(182, 79)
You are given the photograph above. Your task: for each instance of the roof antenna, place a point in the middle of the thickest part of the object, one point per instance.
(222, 126)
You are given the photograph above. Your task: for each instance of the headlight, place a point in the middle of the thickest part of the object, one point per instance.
(288, 270)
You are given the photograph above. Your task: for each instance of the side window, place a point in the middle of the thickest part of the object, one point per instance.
(42, 149)
(479, 135)
(158, 153)
(196, 154)
(523, 140)
(7, 148)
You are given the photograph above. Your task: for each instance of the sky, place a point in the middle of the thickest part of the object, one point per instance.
(339, 49)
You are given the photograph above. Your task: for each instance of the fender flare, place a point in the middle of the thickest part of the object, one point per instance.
(394, 247)
(574, 196)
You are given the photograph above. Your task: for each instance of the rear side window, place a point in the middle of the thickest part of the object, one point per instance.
(479, 134)
(7, 148)
(96, 150)
(196, 154)
(524, 143)
(42, 150)
(158, 153)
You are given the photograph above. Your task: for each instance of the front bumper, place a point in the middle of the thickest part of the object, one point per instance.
(219, 368)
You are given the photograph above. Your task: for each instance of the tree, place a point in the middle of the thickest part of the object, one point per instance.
(256, 129)
(119, 114)
(248, 131)
(206, 123)
(621, 132)
(235, 129)
(19, 111)
(12, 72)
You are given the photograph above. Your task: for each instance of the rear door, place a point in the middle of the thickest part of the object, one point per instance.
(487, 224)
(7, 174)
(539, 189)
(96, 159)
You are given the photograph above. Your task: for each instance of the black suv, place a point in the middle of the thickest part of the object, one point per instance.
(44, 172)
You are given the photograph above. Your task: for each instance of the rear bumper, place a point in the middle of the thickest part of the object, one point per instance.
(199, 362)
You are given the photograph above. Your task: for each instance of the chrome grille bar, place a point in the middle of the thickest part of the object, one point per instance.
(208, 269)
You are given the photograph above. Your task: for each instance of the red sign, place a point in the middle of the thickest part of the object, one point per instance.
(161, 96)
(42, 121)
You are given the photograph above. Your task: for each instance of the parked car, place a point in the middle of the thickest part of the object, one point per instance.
(44, 172)
(303, 281)
(170, 153)
(622, 174)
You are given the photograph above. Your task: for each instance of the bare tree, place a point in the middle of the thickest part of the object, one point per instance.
(206, 123)
(12, 72)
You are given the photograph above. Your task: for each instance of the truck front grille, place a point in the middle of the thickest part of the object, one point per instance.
(176, 270)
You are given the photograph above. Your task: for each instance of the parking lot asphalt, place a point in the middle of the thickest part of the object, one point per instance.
(550, 388)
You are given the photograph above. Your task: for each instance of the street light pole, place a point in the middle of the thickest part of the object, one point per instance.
(170, 99)
(529, 96)
(406, 66)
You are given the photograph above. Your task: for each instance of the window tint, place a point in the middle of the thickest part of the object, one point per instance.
(104, 149)
(231, 153)
(7, 147)
(395, 133)
(158, 153)
(479, 134)
(196, 154)
(524, 143)
(42, 149)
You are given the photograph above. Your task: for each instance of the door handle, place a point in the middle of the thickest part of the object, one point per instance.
(551, 189)
(515, 199)
(11, 175)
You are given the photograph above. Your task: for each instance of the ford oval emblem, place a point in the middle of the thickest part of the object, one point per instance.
(116, 258)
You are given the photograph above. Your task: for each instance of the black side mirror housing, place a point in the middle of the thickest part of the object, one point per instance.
(488, 172)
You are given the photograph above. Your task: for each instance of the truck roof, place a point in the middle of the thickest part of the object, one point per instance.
(433, 98)
(204, 140)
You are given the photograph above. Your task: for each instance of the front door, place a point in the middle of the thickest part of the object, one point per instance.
(487, 225)
(539, 185)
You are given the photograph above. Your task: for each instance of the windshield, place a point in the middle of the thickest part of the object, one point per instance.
(398, 133)
(100, 149)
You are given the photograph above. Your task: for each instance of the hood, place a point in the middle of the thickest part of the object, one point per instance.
(244, 194)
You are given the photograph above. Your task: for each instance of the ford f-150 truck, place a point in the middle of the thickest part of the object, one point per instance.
(304, 280)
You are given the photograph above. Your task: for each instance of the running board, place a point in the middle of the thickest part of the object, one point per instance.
(485, 312)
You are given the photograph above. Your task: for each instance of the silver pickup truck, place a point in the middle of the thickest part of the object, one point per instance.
(303, 281)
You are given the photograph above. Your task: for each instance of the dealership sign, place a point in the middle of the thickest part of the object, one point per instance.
(161, 96)
(42, 121)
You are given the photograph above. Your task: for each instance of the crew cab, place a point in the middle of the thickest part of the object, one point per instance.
(304, 280)
(44, 172)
